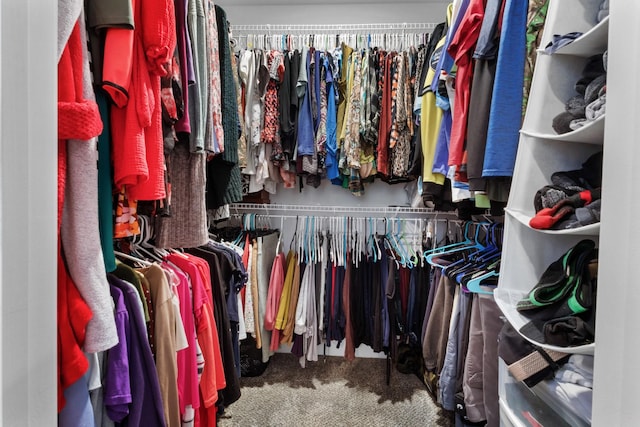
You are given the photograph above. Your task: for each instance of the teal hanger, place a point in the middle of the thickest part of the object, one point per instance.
(469, 245)
(396, 246)
(465, 242)
(474, 284)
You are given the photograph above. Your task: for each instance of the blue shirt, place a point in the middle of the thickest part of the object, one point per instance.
(506, 103)
(441, 156)
(331, 144)
(306, 128)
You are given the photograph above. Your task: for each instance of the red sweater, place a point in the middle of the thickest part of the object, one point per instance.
(136, 124)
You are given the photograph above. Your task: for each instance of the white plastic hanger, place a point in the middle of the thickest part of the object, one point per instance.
(280, 235)
(132, 258)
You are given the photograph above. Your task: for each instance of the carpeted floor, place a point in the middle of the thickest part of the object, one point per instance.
(333, 392)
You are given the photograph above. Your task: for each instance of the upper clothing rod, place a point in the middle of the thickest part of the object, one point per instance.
(390, 210)
(337, 28)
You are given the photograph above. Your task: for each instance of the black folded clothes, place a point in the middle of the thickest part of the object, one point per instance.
(561, 305)
(573, 198)
(590, 100)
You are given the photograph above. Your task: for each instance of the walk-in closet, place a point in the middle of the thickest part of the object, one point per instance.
(301, 213)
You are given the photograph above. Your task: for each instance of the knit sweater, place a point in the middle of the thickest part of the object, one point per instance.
(229, 109)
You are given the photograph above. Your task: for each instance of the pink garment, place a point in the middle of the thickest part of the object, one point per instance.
(203, 313)
(276, 284)
(188, 391)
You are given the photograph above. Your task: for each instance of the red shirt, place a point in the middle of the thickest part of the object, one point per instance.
(136, 127)
(461, 50)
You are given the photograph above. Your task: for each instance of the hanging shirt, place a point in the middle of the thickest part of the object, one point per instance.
(343, 55)
(505, 122)
(445, 62)
(441, 155)
(285, 298)
(205, 329)
(287, 332)
(402, 128)
(430, 118)
(331, 143)
(188, 391)
(247, 72)
(276, 285)
(461, 49)
(198, 100)
(386, 65)
(138, 156)
(117, 386)
(271, 128)
(145, 387)
(166, 347)
(306, 128)
(214, 110)
(485, 58)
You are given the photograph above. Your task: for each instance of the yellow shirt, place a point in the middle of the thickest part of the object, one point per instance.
(283, 307)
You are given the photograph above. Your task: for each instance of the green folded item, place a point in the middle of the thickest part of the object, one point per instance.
(565, 286)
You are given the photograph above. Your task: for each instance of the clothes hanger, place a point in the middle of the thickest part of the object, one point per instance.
(133, 258)
(439, 249)
(317, 221)
(345, 247)
(371, 250)
(415, 252)
(471, 245)
(360, 233)
(376, 241)
(293, 237)
(479, 260)
(139, 244)
(363, 237)
(310, 241)
(475, 284)
(280, 234)
(397, 240)
(388, 244)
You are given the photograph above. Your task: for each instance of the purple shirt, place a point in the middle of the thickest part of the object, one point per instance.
(146, 407)
(117, 387)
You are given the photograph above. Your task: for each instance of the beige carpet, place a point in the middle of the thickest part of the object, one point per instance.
(333, 392)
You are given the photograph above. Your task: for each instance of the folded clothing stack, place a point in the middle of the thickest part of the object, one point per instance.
(573, 198)
(561, 305)
(590, 101)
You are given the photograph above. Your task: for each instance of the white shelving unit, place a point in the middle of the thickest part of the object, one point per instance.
(527, 252)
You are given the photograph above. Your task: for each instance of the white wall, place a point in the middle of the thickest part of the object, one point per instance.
(308, 12)
(279, 12)
(248, 12)
(28, 177)
(617, 352)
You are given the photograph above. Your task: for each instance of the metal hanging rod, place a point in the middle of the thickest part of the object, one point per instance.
(334, 28)
(387, 211)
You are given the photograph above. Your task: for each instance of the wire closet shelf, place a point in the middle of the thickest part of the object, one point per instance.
(332, 28)
(380, 211)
